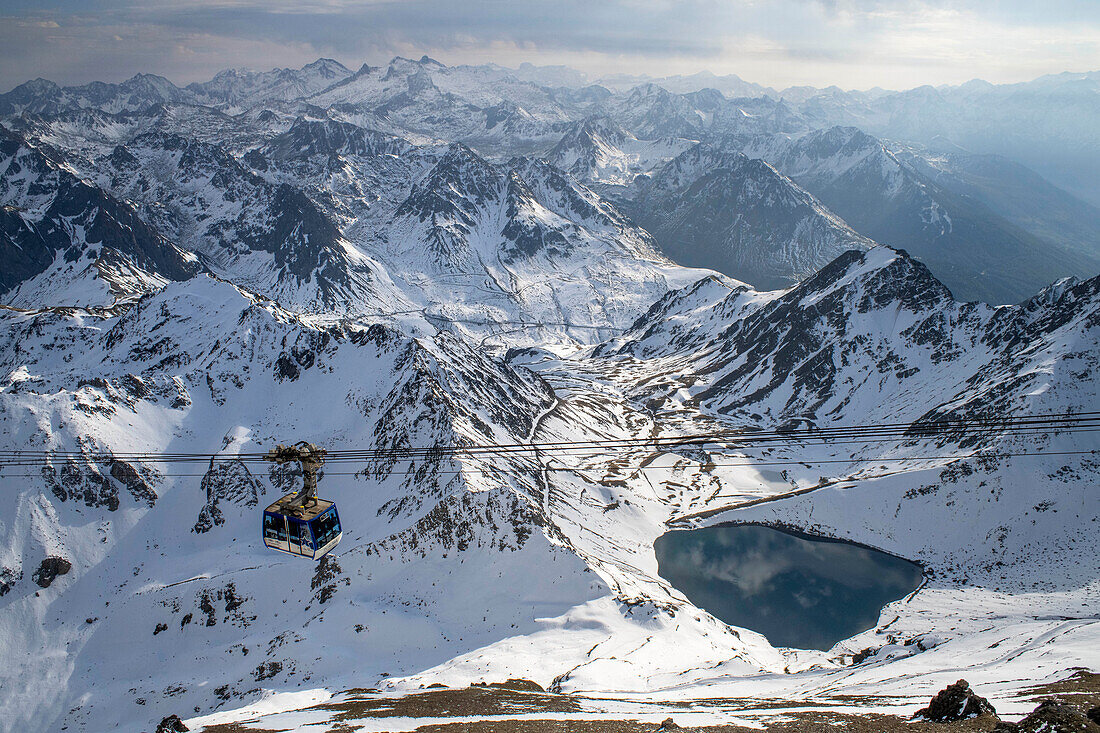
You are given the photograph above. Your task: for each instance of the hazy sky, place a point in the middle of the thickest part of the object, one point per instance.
(852, 43)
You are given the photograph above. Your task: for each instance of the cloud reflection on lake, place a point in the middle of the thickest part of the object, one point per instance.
(797, 591)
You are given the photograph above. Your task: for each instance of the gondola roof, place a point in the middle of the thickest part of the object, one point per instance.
(285, 506)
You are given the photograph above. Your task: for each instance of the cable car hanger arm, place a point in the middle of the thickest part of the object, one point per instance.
(311, 458)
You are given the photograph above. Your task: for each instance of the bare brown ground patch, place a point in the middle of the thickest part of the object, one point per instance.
(238, 728)
(801, 722)
(448, 702)
(556, 726)
(1081, 689)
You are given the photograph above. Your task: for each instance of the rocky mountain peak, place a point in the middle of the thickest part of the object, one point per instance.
(455, 186)
(309, 136)
(34, 88)
(327, 68)
(590, 135)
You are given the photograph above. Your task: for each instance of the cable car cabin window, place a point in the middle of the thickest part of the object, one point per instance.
(325, 527)
(299, 534)
(274, 527)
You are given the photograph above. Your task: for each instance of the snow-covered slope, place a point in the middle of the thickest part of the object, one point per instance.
(597, 150)
(168, 570)
(523, 245)
(170, 584)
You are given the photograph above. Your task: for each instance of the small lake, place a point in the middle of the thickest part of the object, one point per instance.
(799, 591)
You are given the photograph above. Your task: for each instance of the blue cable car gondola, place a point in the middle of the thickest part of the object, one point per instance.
(306, 531)
(300, 523)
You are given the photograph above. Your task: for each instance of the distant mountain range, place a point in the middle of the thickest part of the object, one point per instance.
(992, 231)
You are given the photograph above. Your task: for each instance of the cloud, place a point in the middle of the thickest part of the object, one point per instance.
(80, 50)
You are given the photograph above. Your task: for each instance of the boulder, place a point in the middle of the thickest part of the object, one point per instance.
(49, 569)
(172, 724)
(955, 702)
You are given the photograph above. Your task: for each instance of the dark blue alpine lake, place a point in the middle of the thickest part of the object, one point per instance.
(797, 590)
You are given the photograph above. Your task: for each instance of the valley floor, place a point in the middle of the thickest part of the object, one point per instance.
(520, 706)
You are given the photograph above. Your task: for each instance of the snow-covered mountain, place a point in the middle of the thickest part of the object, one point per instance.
(606, 137)
(41, 96)
(241, 89)
(169, 584)
(328, 216)
(599, 151)
(709, 208)
(730, 85)
(264, 236)
(66, 242)
(143, 381)
(418, 256)
(650, 111)
(522, 243)
(1047, 124)
(550, 76)
(482, 106)
(977, 253)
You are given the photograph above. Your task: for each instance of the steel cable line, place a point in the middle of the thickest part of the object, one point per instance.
(997, 427)
(752, 463)
(580, 450)
(915, 429)
(745, 464)
(1031, 424)
(903, 430)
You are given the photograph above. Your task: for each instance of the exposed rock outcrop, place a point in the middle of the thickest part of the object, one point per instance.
(49, 569)
(172, 724)
(229, 481)
(956, 702)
